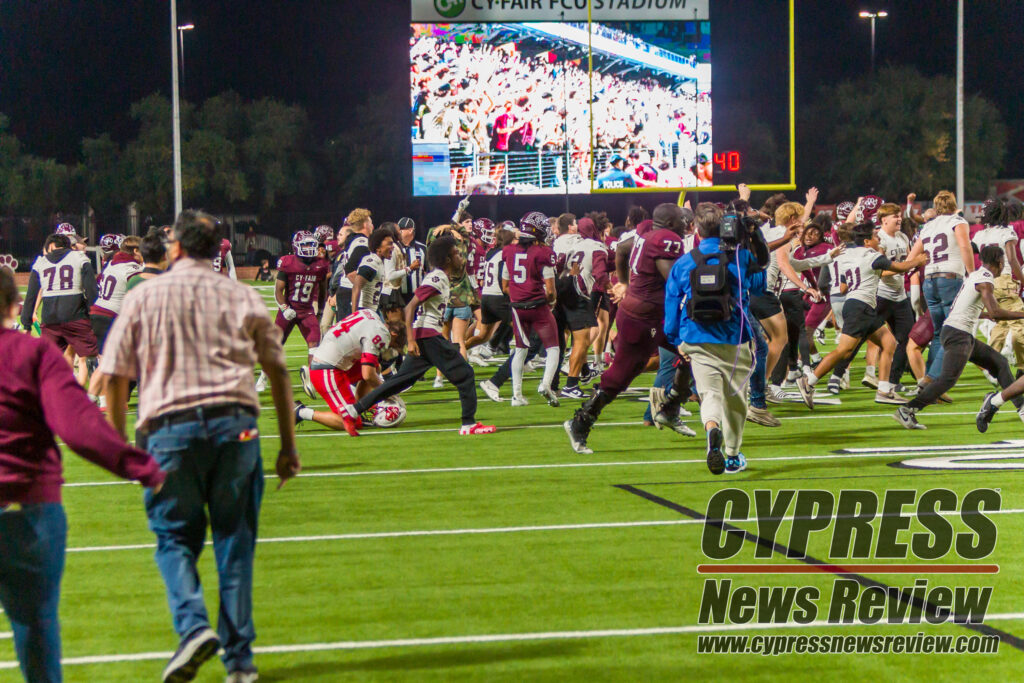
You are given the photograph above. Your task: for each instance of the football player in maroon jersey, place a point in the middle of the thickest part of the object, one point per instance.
(301, 281)
(529, 280)
(223, 262)
(645, 262)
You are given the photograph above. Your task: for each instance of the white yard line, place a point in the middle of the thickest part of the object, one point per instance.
(495, 638)
(475, 531)
(6, 635)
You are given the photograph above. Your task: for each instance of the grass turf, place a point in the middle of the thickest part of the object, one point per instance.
(331, 576)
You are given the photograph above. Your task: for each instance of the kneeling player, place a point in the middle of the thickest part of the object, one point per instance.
(301, 280)
(348, 357)
(427, 345)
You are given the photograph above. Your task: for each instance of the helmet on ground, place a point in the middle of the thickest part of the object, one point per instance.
(390, 412)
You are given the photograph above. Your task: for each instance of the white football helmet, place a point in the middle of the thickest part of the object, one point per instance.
(390, 412)
(304, 244)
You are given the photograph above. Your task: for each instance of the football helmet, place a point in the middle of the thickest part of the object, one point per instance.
(843, 210)
(65, 229)
(304, 244)
(390, 412)
(535, 225)
(111, 242)
(483, 230)
(869, 206)
(323, 233)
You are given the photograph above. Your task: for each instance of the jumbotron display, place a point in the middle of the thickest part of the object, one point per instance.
(507, 107)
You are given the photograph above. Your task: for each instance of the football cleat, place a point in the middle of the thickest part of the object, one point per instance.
(986, 413)
(549, 394)
(845, 383)
(590, 373)
(775, 394)
(761, 416)
(478, 428)
(662, 420)
(261, 383)
(438, 382)
(806, 391)
(577, 436)
(298, 406)
(491, 390)
(834, 385)
(519, 401)
(890, 397)
(870, 381)
(735, 463)
(908, 418)
(572, 392)
(307, 386)
(716, 461)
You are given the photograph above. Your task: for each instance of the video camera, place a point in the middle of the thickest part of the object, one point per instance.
(739, 230)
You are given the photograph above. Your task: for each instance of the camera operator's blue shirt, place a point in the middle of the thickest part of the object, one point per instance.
(679, 328)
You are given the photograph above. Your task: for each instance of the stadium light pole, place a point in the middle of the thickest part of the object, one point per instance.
(175, 111)
(960, 103)
(181, 44)
(872, 16)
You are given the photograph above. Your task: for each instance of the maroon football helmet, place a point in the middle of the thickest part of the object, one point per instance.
(535, 225)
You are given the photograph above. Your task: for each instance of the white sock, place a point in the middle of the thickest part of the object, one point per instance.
(884, 387)
(550, 367)
(869, 370)
(306, 413)
(518, 365)
(997, 400)
(812, 379)
(815, 357)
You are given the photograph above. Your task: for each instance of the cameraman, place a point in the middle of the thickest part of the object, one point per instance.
(712, 326)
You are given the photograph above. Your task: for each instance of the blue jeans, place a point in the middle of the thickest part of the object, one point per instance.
(758, 379)
(210, 467)
(666, 372)
(938, 295)
(32, 543)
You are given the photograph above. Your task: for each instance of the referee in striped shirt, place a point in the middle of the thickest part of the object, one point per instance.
(191, 338)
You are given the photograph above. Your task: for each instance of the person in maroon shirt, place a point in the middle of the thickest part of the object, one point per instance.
(39, 397)
(529, 281)
(645, 261)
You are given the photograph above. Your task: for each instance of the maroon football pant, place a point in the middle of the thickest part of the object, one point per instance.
(635, 343)
(539, 320)
(308, 325)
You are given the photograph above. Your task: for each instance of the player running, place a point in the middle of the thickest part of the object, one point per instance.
(529, 280)
(960, 346)
(301, 281)
(427, 347)
(645, 262)
(349, 357)
(587, 264)
(861, 267)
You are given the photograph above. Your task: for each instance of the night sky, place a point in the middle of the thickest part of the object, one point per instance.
(69, 70)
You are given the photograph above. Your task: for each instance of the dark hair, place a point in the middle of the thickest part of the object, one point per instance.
(8, 290)
(1014, 211)
(823, 222)
(994, 212)
(59, 241)
(564, 221)
(992, 254)
(505, 238)
(463, 217)
(377, 238)
(153, 248)
(636, 216)
(439, 252)
(772, 203)
(198, 234)
(600, 219)
(862, 232)
(393, 228)
(398, 333)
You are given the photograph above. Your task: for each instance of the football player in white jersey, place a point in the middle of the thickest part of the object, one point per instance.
(976, 295)
(368, 278)
(427, 345)
(947, 242)
(861, 267)
(349, 357)
(1007, 284)
(893, 304)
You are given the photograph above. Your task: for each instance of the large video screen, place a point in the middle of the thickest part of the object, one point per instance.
(508, 108)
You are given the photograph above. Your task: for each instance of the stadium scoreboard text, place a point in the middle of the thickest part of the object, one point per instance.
(557, 10)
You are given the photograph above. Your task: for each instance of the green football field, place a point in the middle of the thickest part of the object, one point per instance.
(416, 554)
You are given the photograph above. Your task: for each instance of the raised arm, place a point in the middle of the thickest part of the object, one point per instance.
(963, 240)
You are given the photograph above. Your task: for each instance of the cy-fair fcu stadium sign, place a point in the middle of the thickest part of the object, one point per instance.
(557, 10)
